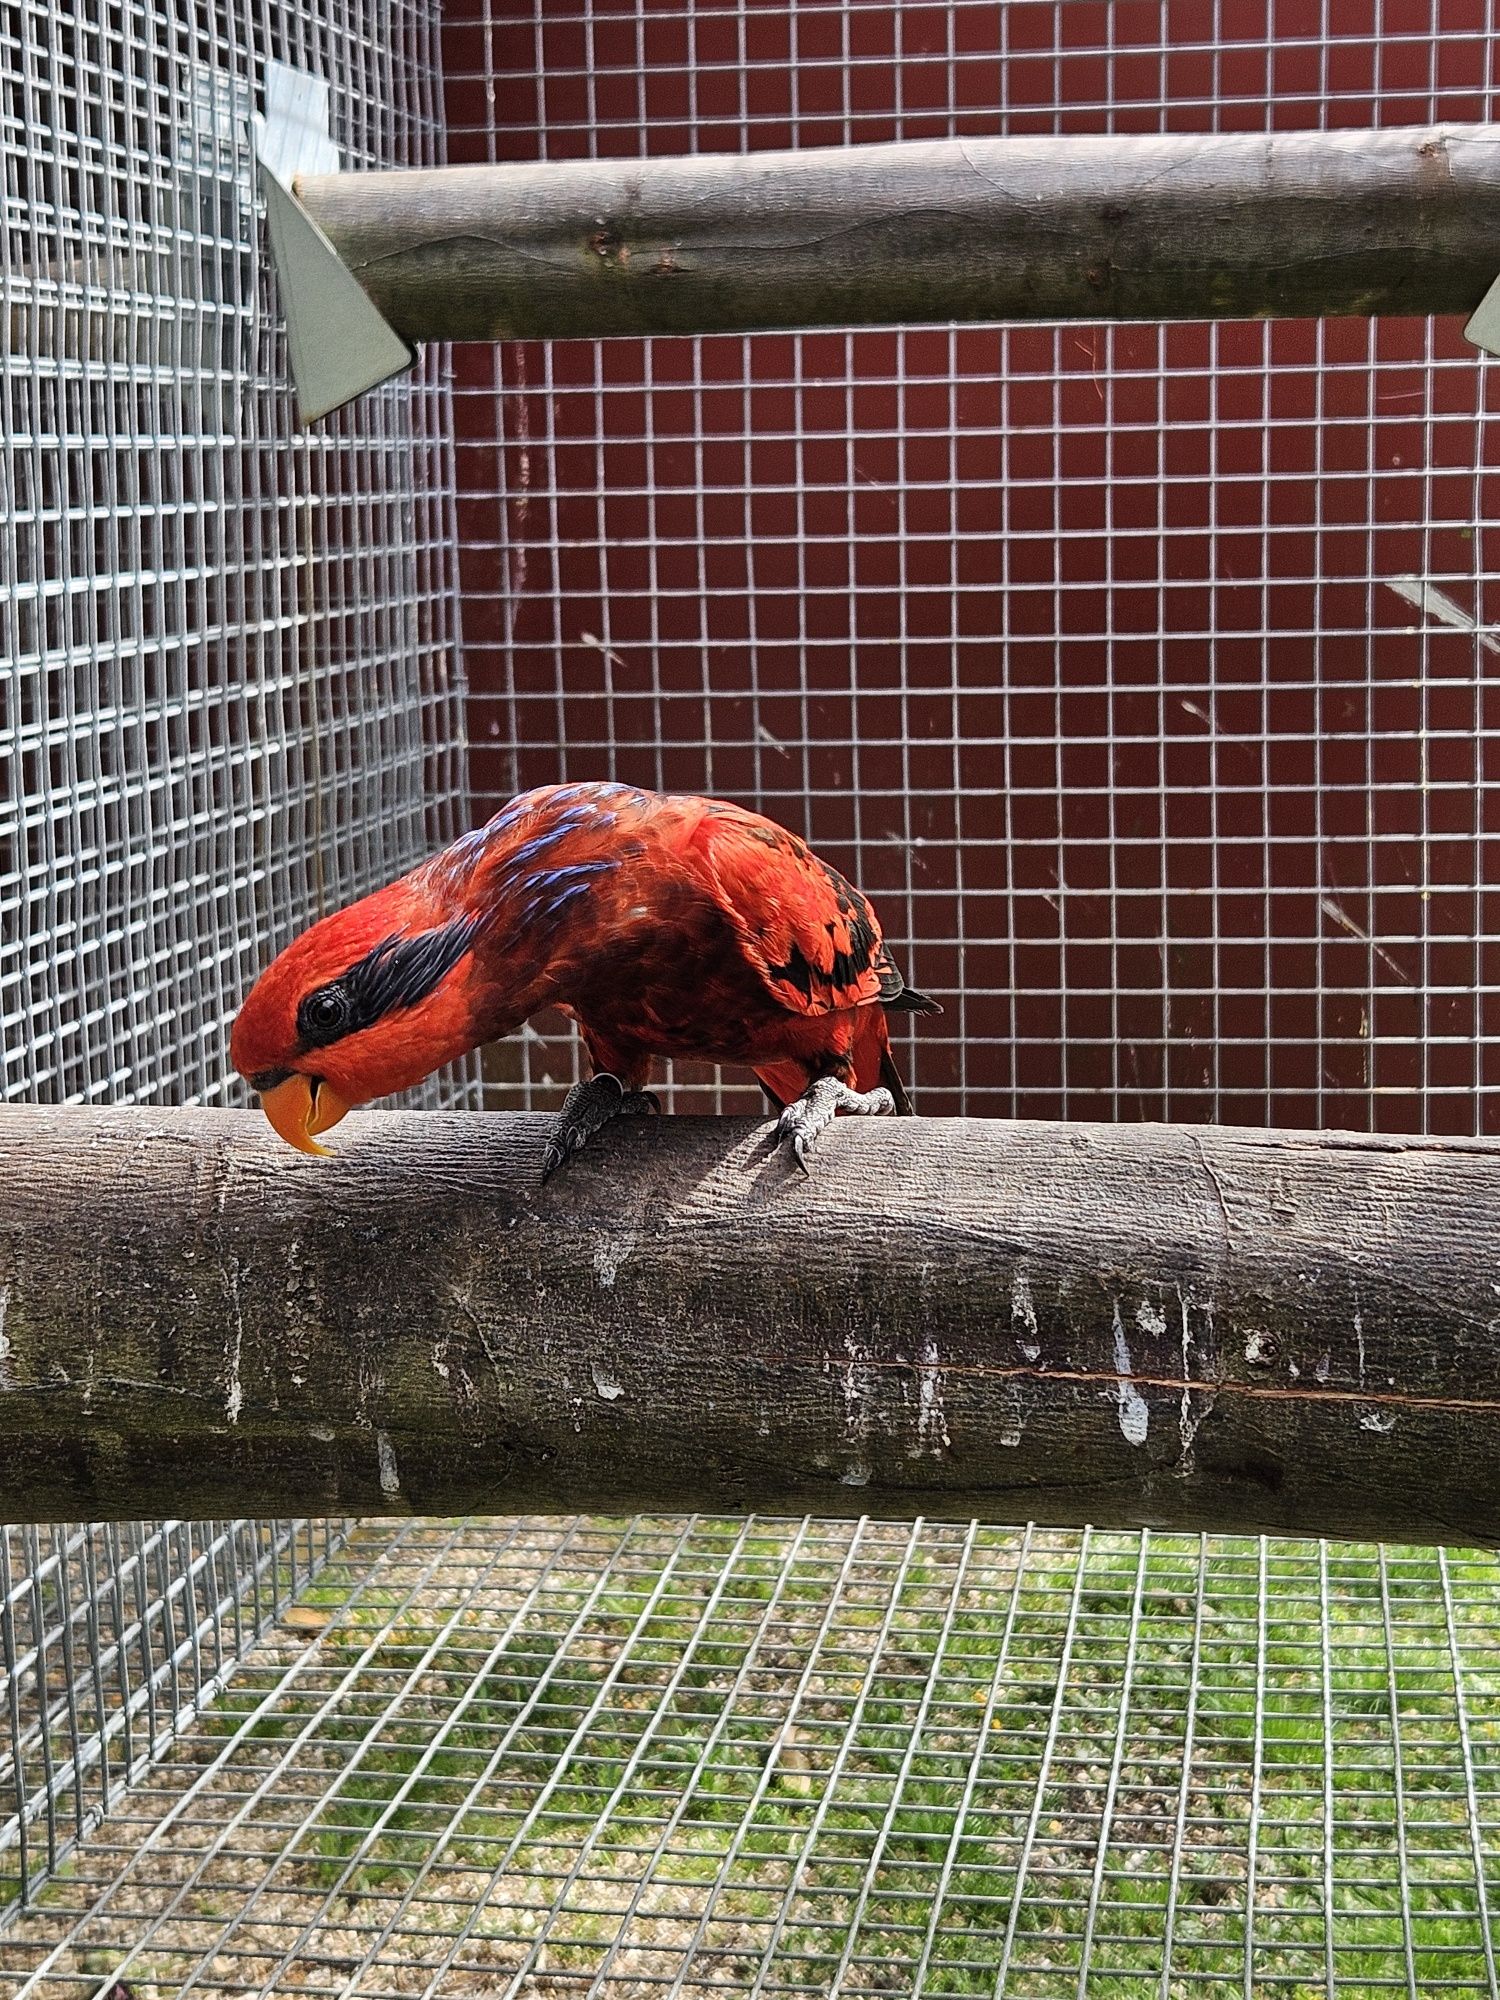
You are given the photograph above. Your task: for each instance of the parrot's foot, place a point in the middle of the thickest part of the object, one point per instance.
(586, 1108)
(814, 1112)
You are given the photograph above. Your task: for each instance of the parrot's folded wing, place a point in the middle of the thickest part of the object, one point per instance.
(810, 935)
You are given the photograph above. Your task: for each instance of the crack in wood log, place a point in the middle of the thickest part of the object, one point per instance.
(1112, 1379)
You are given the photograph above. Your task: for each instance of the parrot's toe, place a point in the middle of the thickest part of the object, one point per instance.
(586, 1108)
(800, 1125)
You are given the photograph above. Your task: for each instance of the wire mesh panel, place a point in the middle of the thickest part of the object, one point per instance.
(759, 1757)
(109, 1639)
(1141, 674)
(226, 645)
(226, 701)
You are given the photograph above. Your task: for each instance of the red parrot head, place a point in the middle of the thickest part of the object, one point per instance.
(369, 1000)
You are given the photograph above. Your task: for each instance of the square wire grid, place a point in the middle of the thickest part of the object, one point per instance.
(1141, 674)
(779, 1758)
(227, 700)
(1064, 642)
(228, 693)
(110, 1637)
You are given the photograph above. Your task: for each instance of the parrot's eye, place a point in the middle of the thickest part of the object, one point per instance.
(323, 1016)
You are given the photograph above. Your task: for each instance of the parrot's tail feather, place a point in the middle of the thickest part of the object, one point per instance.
(783, 1082)
(910, 1001)
(890, 1076)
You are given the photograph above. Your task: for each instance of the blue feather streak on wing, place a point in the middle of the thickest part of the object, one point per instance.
(551, 890)
(472, 846)
(607, 788)
(543, 907)
(529, 850)
(564, 896)
(576, 871)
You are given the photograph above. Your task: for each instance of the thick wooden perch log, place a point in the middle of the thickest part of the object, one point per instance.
(1194, 226)
(1121, 1325)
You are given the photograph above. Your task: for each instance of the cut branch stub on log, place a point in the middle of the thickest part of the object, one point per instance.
(1120, 1325)
(1180, 226)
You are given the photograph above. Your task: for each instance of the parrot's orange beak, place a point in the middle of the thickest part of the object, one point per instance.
(301, 1107)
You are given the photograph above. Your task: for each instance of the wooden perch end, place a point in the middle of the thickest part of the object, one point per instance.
(1136, 1325)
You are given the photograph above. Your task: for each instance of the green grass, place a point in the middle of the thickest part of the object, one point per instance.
(956, 1730)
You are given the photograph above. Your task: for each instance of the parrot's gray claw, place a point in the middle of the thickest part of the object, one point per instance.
(812, 1113)
(586, 1108)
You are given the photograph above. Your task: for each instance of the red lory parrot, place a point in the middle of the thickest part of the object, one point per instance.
(665, 926)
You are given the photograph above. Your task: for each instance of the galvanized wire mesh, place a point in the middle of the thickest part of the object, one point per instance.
(760, 1757)
(1134, 671)
(226, 701)
(110, 1638)
(228, 662)
(1139, 673)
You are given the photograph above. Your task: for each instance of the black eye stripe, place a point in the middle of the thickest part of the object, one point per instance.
(267, 1079)
(400, 972)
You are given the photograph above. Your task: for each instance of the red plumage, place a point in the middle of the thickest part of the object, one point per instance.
(666, 926)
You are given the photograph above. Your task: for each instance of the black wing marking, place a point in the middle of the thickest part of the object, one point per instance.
(895, 993)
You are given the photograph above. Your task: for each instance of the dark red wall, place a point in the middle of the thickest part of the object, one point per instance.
(1079, 646)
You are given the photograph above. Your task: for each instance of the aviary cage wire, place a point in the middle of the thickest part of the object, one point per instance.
(227, 696)
(1141, 674)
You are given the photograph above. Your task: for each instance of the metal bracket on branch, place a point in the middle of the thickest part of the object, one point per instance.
(337, 342)
(1125, 1325)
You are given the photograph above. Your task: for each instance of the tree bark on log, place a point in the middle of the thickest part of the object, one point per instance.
(1224, 226)
(1134, 1325)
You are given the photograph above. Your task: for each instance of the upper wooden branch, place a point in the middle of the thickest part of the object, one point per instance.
(1180, 226)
